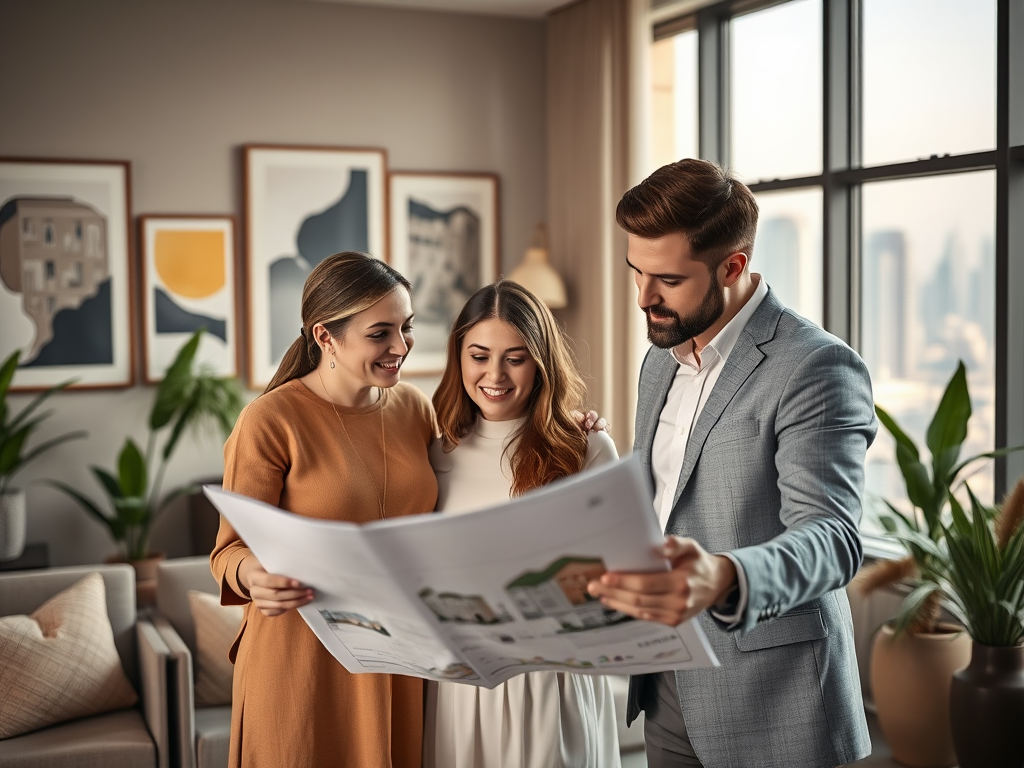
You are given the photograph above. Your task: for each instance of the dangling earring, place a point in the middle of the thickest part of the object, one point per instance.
(332, 359)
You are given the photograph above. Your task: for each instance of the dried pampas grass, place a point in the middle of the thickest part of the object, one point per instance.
(1011, 514)
(884, 573)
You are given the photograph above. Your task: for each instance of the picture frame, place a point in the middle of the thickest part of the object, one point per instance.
(189, 280)
(66, 272)
(302, 203)
(445, 240)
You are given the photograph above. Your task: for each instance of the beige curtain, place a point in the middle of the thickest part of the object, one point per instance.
(595, 50)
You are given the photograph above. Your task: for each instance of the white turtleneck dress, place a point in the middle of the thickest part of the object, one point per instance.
(537, 719)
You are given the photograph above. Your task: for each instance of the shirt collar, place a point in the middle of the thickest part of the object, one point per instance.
(722, 345)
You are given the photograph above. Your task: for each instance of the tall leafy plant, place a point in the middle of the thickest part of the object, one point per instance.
(929, 487)
(977, 568)
(188, 397)
(15, 430)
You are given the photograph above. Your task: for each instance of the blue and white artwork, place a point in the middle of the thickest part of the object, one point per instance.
(302, 206)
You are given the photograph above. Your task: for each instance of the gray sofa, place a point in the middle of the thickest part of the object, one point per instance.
(129, 738)
(200, 733)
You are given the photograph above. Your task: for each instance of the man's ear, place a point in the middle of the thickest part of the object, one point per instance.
(732, 267)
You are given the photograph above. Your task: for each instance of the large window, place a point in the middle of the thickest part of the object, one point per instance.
(674, 97)
(882, 139)
(775, 91)
(929, 78)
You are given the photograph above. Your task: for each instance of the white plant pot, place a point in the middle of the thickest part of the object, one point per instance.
(12, 524)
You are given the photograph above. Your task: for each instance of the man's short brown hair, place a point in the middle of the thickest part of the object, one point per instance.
(715, 211)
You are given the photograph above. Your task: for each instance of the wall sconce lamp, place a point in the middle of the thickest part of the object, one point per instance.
(536, 274)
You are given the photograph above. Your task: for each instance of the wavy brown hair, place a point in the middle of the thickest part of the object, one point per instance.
(340, 286)
(550, 444)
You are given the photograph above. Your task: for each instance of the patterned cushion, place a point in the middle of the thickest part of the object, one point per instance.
(216, 628)
(60, 663)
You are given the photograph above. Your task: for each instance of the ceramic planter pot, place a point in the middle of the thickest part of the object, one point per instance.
(910, 680)
(145, 577)
(12, 524)
(987, 708)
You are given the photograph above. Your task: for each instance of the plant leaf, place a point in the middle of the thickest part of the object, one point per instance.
(915, 476)
(912, 605)
(10, 452)
(131, 470)
(909, 522)
(86, 503)
(169, 391)
(29, 409)
(109, 483)
(45, 446)
(894, 429)
(7, 370)
(953, 473)
(184, 419)
(948, 428)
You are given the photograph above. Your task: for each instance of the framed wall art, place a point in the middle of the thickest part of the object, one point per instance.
(444, 238)
(66, 272)
(188, 282)
(301, 205)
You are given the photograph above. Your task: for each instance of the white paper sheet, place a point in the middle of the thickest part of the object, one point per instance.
(480, 597)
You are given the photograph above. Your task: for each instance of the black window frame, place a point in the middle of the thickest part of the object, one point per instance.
(843, 176)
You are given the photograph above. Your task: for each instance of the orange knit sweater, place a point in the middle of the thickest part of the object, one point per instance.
(293, 704)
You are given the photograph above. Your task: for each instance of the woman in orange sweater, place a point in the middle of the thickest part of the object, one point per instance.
(334, 436)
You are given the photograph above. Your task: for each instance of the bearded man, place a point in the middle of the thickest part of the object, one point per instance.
(753, 424)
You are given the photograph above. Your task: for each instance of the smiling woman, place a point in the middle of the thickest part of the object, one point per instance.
(335, 436)
(505, 407)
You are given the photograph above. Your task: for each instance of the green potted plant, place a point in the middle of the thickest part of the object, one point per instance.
(914, 656)
(976, 569)
(15, 431)
(189, 396)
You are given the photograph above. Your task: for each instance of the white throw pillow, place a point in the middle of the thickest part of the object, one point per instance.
(61, 662)
(216, 628)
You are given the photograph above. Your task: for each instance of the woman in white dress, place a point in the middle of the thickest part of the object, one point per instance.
(505, 409)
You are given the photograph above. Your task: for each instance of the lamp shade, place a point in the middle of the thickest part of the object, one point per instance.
(536, 275)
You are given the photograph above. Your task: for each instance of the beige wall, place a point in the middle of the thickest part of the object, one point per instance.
(176, 86)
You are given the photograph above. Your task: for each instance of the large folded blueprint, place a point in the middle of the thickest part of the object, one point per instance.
(480, 597)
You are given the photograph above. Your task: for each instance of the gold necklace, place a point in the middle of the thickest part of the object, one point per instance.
(381, 498)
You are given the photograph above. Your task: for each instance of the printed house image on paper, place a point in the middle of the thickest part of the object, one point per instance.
(450, 606)
(560, 592)
(53, 252)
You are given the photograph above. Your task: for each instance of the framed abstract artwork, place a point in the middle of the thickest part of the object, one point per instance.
(444, 238)
(66, 272)
(189, 265)
(302, 204)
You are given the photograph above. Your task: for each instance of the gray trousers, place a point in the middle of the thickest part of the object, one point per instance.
(665, 737)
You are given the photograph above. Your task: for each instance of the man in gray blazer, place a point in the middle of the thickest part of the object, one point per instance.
(753, 423)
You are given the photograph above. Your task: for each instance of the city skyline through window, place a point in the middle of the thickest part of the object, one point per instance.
(925, 245)
(928, 301)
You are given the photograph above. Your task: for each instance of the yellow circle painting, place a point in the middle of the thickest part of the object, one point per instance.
(190, 262)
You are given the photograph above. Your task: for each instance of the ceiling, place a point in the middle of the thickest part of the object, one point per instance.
(531, 9)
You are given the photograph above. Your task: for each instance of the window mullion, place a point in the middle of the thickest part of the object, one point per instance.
(713, 85)
(1009, 277)
(840, 289)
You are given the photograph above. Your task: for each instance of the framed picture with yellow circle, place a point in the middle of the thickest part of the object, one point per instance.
(189, 267)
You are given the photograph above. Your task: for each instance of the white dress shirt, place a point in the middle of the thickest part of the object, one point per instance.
(691, 387)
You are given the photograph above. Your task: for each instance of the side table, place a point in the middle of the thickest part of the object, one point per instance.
(35, 556)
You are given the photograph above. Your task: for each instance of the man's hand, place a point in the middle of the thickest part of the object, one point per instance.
(271, 593)
(698, 580)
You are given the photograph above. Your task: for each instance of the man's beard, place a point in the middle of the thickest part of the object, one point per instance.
(667, 336)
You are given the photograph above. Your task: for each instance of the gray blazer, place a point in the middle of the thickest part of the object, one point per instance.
(773, 474)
